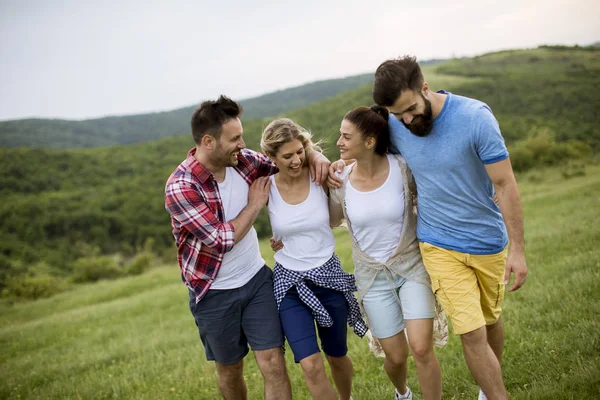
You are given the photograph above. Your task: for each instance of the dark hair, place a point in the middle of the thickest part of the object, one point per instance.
(392, 77)
(209, 118)
(372, 122)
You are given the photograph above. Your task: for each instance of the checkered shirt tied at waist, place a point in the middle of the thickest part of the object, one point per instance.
(329, 275)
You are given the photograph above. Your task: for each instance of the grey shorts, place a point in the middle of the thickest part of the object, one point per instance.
(228, 320)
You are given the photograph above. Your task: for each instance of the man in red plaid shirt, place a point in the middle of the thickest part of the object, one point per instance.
(214, 197)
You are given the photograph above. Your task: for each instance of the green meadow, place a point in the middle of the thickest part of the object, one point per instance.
(134, 338)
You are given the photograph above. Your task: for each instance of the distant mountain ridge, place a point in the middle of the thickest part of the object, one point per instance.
(139, 128)
(116, 130)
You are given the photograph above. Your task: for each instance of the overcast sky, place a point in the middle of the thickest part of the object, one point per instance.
(77, 59)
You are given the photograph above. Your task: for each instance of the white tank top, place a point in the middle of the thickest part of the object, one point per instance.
(377, 216)
(304, 229)
(243, 261)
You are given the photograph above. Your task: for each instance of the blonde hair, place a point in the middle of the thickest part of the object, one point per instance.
(284, 130)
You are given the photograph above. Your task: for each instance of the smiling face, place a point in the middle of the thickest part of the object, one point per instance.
(229, 144)
(290, 158)
(351, 142)
(413, 109)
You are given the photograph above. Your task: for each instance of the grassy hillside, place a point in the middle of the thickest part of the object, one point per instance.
(62, 205)
(135, 338)
(57, 133)
(551, 87)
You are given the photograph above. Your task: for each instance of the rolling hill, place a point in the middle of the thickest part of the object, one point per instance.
(61, 205)
(115, 130)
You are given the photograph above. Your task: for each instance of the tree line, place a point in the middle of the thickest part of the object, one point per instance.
(86, 214)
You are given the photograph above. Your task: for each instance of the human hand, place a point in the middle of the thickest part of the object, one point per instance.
(319, 164)
(332, 180)
(276, 245)
(258, 195)
(516, 264)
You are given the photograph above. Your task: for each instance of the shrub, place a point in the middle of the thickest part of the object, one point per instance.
(140, 263)
(91, 269)
(541, 149)
(33, 287)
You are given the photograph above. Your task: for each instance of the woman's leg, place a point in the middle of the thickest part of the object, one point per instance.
(420, 333)
(418, 305)
(299, 328)
(395, 363)
(316, 379)
(387, 324)
(333, 339)
(342, 372)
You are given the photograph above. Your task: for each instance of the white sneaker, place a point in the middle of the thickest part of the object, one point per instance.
(482, 395)
(406, 396)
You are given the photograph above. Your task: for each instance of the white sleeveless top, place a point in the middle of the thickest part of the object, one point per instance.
(377, 216)
(304, 229)
(243, 261)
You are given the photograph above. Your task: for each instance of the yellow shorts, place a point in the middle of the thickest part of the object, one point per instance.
(470, 287)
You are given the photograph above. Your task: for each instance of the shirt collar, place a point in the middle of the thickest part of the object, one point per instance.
(198, 170)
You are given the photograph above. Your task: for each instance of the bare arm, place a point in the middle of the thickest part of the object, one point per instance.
(257, 198)
(336, 214)
(318, 164)
(509, 201)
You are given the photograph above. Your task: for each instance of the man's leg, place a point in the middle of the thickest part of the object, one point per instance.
(272, 366)
(231, 381)
(490, 275)
(457, 284)
(262, 328)
(219, 322)
(495, 338)
(483, 364)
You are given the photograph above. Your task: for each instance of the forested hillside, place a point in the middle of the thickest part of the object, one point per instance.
(60, 206)
(57, 133)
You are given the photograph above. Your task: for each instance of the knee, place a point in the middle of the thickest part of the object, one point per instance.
(271, 362)
(494, 325)
(474, 338)
(396, 359)
(230, 373)
(313, 368)
(338, 362)
(422, 351)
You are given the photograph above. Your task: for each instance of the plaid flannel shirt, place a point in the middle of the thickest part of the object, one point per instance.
(201, 233)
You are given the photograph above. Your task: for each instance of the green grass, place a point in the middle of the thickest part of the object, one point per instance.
(135, 338)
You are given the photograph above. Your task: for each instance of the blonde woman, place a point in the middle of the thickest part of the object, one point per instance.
(376, 200)
(309, 282)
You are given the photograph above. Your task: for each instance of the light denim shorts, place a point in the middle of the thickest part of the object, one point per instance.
(386, 316)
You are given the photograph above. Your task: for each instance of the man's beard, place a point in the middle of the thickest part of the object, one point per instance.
(223, 159)
(421, 125)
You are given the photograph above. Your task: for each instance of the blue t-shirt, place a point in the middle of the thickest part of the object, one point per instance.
(455, 206)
